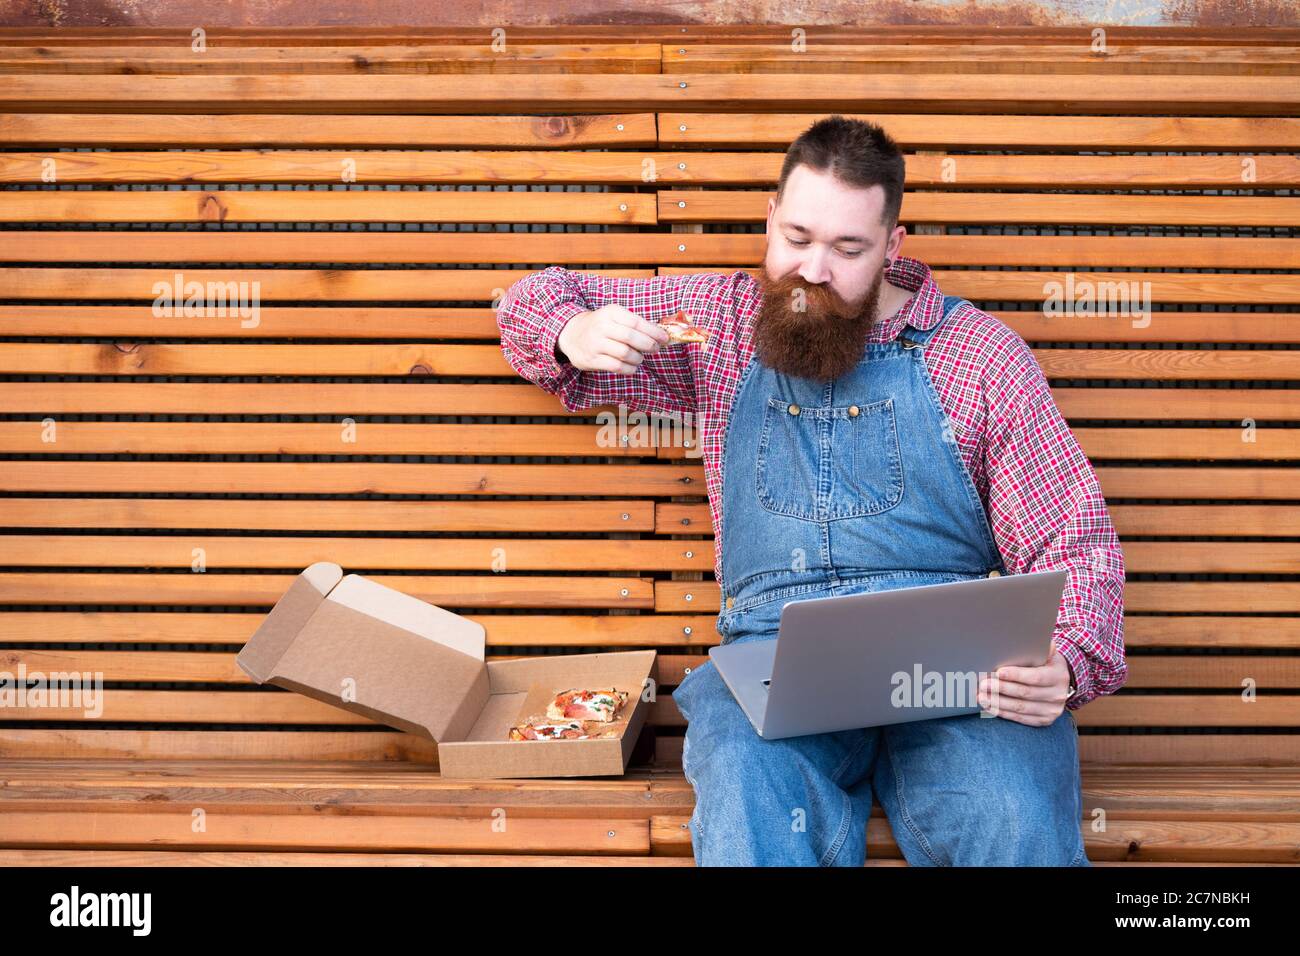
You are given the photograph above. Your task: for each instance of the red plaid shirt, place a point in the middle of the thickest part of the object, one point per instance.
(1043, 500)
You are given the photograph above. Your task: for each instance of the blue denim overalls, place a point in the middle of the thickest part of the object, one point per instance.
(839, 488)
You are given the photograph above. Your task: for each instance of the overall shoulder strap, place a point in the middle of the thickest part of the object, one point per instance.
(915, 337)
(951, 302)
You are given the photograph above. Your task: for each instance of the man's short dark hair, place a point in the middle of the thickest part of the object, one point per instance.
(857, 153)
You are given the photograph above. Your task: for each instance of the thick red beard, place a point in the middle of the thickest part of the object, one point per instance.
(821, 343)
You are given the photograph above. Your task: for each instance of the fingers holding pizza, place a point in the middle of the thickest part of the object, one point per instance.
(615, 339)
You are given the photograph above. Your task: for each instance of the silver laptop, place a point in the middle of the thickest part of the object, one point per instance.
(889, 657)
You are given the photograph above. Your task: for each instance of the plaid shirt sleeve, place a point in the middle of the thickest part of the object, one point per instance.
(536, 308)
(1048, 513)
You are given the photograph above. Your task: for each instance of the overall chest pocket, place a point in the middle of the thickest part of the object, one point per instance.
(821, 464)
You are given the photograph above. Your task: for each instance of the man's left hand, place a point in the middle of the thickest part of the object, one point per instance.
(1028, 695)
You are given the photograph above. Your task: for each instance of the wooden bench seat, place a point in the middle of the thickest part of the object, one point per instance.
(71, 810)
(165, 476)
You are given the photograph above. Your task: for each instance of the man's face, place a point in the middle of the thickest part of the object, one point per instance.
(822, 275)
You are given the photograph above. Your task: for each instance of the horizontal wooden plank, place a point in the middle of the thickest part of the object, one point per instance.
(177, 627)
(1230, 404)
(229, 206)
(305, 478)
(253, 515)
(1158, 841)
(459, 591)
(1217, 673)
(638, 130)
(1196, 750)
(1200, 328)
(1211, 631)
(1183, 95)
(329, 830)
(1190, 710)
(464, 591)
(935, 171)
(498, 555)
(957, 131)
(463, 58)
(382, 789)
(267, 787)
(961, 35)
(437, 322)
(624, 130)
(344, 438)
(223, 289)
(1273, 597)
(120, 56)
(1190, 443)
(417, 396)
(140, 858)
(328, 166)
(1022, 59)
(188, 707)
(132, 358)
(243, 744)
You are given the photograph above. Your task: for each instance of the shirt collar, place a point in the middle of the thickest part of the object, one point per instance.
(922, 311)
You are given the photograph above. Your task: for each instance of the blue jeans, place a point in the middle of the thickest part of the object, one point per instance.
(958, 791)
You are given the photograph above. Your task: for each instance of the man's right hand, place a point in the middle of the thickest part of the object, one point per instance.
(610, 339)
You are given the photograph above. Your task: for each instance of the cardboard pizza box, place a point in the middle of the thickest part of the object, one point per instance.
(349, 641)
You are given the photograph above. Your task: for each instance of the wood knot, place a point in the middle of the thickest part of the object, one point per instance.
(421, 370)
(556, 127)
(127, 347)
(211, 208)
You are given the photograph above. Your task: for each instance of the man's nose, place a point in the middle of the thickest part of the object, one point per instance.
(814, 269)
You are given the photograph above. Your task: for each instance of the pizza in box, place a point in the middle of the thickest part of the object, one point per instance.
(575, 714)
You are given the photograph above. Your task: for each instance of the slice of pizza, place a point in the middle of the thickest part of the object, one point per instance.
(680, 328)
(577, 704)
(539, 728)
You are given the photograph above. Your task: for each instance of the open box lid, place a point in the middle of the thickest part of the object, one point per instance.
(373, 650)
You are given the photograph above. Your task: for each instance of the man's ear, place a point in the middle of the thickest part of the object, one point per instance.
(771, 208)
(895, 244)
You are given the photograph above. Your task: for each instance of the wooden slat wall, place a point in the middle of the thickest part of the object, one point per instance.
(131, 443)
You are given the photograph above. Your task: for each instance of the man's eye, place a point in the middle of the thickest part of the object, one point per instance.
(853, 254)
(800, 243)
